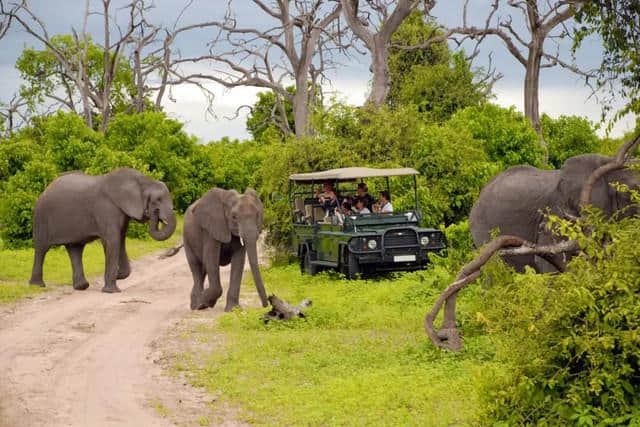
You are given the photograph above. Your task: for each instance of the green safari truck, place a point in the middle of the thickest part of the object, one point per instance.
(334, 235)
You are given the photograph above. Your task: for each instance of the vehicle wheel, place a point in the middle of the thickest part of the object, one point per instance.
(352, 267)
(306, 267)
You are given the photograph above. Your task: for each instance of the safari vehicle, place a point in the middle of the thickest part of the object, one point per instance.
(360, 243)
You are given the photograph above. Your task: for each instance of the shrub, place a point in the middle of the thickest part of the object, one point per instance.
(570, 341)
(71, 144)
(568, 136)
(15, 153)
(506, 135)
(454, 169)
(19, 194)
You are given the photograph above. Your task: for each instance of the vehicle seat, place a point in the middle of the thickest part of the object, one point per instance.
(308, 213)
(298, 203)
(318, 213)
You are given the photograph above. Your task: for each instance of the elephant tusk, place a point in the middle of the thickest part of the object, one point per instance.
(241, 241)
(164, 221)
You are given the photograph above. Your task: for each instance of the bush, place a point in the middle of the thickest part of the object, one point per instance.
(568, 136)
(570, 341)
(20, 193)
(506, 135)
(454, 169)
(71, 144)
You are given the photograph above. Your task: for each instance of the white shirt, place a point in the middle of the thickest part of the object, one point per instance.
(364, 210)
(386, 208)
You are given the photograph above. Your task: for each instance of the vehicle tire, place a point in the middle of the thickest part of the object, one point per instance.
(352, 267)
(305, 265)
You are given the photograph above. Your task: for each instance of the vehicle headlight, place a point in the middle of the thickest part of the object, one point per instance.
(424, 240)
(372, 244)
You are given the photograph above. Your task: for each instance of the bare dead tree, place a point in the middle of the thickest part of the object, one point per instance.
(74, 66)
(374, 23)
(14, 115)
(448, 336)
(271, 57)
(545, 21)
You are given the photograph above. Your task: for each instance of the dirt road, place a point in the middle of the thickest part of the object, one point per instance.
(85, 358)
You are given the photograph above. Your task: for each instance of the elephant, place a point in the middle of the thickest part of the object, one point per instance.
(516, 201)
(221, 228)
(76, 209)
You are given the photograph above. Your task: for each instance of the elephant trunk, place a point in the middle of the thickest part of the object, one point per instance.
(252, 254)
(165, 232)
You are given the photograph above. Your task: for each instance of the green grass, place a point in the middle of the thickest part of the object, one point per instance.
(360, 357)
(15, 264)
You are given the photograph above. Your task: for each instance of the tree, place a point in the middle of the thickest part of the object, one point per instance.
(377, 14)
(265, 115)
(296, 45)
(617, 24)
(543, 19)
(47, 80)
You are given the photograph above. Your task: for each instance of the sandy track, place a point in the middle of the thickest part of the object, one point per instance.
(84, 358)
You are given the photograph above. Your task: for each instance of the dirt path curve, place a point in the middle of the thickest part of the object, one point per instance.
(71, 358)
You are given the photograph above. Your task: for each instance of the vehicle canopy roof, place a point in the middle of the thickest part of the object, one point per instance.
(350, 174)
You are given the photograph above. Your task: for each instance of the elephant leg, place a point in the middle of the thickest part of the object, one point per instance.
(197, 272)
(80, 282)
(38, 261)
(211, 260)
(124, 267)
(112, 256)
(237, 267)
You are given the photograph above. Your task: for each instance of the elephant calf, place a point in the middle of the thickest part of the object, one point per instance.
(515, 202)
(76, 209)
(221, 228)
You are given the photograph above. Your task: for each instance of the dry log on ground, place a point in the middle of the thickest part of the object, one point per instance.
(281, 310)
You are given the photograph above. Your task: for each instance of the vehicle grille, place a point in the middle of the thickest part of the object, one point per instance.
(403, 237)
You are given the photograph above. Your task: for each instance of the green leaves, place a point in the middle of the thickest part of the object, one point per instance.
(583, 357)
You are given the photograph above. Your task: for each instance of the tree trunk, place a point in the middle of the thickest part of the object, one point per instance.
(531, 96)
(301, 107)
(380, 68)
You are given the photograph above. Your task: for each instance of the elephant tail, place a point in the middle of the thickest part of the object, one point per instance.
(171, 251)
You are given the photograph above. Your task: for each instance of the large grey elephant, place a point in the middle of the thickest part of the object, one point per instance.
(221, 228)
(76, 209)
(515, 203)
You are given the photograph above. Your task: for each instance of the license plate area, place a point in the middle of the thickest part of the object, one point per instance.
(404, 258)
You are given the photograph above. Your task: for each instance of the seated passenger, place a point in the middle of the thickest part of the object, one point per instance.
(384, 204)
(363, 193)
(328, 198)
(345, 210)
(361, 207)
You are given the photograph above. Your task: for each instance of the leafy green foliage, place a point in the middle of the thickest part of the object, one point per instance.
(568, 136)
(506, 135)
(261, 117)
(19, 194)
(454, 168)
(432, 79)
(570, 340)
(617, 24)
(44, 78)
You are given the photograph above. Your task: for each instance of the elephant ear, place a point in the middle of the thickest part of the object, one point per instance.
(122, 187)
(251, 192)
(574, 174)
(213, 213)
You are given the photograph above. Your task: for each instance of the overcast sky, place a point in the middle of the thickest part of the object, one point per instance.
(561, 92)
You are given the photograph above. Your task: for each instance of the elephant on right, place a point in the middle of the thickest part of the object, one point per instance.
(516, 201)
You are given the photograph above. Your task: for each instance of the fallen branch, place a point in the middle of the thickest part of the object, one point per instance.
(281, 310)
(448, 336)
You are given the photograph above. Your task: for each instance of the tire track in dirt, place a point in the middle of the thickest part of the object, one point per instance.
(84, 358)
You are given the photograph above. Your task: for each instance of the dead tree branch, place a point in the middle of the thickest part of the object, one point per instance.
(543, 18)
(448, 336)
